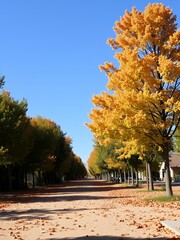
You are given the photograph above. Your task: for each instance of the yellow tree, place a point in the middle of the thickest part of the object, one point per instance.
(92, 163)
(144, 107)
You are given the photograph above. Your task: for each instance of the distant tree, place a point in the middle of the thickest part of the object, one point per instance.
(65, 156)
(104, 159)
(77, 169)
(92, 163)
(45, 135)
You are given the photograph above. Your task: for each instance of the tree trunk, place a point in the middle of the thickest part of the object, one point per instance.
(33, 179)
(125, 181)
(20, 183)
(40, 181)
(109, 177)
(128, 176)
(151, 186)
(103, 176)
(147, 175)
(106, 176)
(10, 178)
(132, 176)
(120, 176)
(169, 191)
(137, 182)
(25, 177)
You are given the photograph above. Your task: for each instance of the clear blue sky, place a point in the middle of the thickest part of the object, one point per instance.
(50, 52)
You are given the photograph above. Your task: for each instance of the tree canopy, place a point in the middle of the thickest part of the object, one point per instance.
(141, 107)
(34, 146)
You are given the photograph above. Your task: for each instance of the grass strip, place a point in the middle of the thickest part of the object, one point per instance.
(164, 199)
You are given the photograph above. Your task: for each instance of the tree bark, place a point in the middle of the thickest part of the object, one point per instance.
(151, 186)
(147, 175)
(120, 176)
(33, 179)
(109, 176)
(125, 180)
(128, 176)
(132, 176)
(137, 182)
(25, 177)
(10, 178)
(169, 191)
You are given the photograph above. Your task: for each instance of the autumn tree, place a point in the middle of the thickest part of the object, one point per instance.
(77, 169)
(93, 163)
(143, 104)
(104, 159)
(44, 136)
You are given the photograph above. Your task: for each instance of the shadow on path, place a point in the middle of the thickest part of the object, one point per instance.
(70, 191)
(106, 238)
(41, 214)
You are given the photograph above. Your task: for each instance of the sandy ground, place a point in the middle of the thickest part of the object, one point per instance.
(87, 209)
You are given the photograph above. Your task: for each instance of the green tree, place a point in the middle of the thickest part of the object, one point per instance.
(177, 140)
(13, 125)
(45, 135)
(64, 155)
(77, 169)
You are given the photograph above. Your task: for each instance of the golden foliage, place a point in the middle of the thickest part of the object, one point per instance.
(92, 163)
(145, 103)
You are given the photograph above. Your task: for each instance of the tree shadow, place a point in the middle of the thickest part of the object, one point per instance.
(52, 198)
(70, 191)
(41, 214)
(107, 238)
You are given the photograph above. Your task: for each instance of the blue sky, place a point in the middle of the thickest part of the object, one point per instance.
(50, 52)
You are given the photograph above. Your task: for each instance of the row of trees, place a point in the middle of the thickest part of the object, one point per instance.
(140, 111)
(106, 163)
(35, 146)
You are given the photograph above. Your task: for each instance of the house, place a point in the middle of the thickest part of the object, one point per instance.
(174, 167)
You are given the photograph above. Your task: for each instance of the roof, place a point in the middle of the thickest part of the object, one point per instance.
(174, 159)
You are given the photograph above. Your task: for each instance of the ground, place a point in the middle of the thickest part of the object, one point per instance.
(86, 209)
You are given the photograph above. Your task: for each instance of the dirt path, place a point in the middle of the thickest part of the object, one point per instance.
(87, 209)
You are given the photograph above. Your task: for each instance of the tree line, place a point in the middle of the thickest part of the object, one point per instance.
(140, 111)
(33, 147)
(106, 163)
